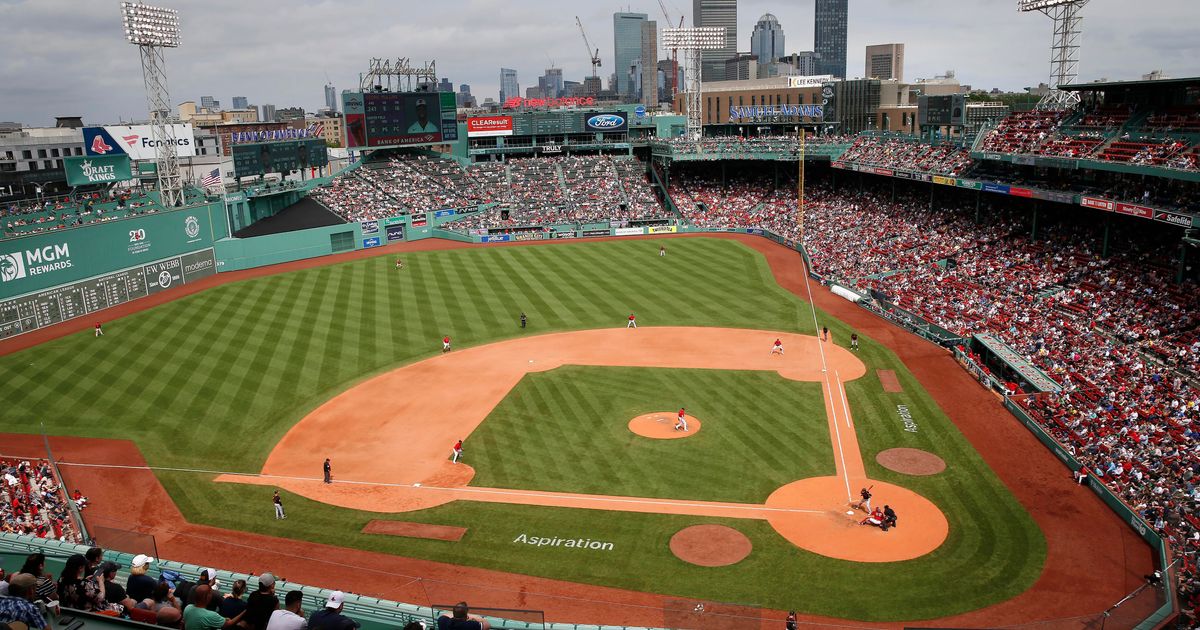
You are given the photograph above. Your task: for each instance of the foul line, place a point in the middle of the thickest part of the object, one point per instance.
(842, 391)
(471, 490)
(829, 387)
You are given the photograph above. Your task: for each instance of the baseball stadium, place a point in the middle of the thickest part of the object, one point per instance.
(593, 367)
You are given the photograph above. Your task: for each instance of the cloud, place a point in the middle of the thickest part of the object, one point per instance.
(61, 57)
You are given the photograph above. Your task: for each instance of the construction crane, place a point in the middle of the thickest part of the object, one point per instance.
(595, 56)
(674, 51)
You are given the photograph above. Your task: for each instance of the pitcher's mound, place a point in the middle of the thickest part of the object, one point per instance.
(911, 461)
(710, 545)
(661, 426)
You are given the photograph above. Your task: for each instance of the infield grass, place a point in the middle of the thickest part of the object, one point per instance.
(214, 380)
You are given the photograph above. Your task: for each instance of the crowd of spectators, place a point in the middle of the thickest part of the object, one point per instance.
(91, 584)
(563, 190)
(908, 154)
(743, 145)
(33, 217)
(32, 503)
(1102, 132)
(395, 187)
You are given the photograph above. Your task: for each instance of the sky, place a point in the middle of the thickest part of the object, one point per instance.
(69, 57)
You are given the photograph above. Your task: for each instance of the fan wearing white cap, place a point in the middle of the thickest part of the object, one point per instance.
(330, 617)
(423, 124)
(140, 586)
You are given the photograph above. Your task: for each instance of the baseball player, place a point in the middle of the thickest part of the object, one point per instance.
(456, 452)
(446, 343)
(662, 251)
(825, 332)
(279, 514)
(865, 503)
(681, 421)
(889, 517)
(399, 264)
(854, 341)
(328, 471)
(632, 321)
(99, 330)
(777, 348)
(524, 319)
(874, 518)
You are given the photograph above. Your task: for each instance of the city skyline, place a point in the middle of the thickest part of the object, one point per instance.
(989, 44)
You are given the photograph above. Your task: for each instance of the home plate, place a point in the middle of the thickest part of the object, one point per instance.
(416, 485)
(848, 512)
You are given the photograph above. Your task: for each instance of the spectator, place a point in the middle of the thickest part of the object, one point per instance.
(330, 617)
(291, 616)
(94, 556)
(197, 616)
(163, 597)
(140, 586)
(18, 605)
(114, 593)
(168, 617)
(261, 603)
(46, 591)
(79, 591)
(232, 603)
(462, 619)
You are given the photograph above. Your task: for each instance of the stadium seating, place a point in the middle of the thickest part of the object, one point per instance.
(371, 613)
(32, 503)
(563, 190)
(20, 219)
(908, 154)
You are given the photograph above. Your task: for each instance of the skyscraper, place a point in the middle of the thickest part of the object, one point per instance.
(208, 102)
(717, 13)
(627, 48)
(445, 85)
(331, 97)
(509, 87)
(239, 102)
(268, 113)
(766, 42)
(885, 61)
(464, 98)
(551, 83)
(830, 36)
(804, 62)
(649, 87)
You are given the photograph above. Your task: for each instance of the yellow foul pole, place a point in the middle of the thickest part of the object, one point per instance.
(800, 182)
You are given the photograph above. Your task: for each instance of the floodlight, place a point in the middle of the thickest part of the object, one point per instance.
(1038, 5)
(698, 38)
(147, 25)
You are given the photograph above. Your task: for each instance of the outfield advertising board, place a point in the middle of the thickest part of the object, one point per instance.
(607, 122)
(628, 231)
(489, 126)
(101, 169)
(371, 242)
(136, 141)
(395, 233)
(40, 261)
(662, 229)
(45, 308)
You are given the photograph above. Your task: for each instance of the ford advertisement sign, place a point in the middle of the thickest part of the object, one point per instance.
(614, 122)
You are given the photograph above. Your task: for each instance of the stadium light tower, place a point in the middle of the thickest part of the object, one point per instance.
(689, 42)
(1064, 49)
(153, 30)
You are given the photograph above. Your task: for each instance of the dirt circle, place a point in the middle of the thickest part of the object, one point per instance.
(911, 461)
(710, 545)
(814, 514)
(660, 425)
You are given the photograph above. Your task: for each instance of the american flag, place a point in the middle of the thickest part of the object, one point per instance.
(317, 130)
(212, 179)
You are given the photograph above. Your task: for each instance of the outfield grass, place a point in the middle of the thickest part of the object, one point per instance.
(214, 380)
(566, 430)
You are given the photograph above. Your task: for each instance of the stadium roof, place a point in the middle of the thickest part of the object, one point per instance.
(1108, 85)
